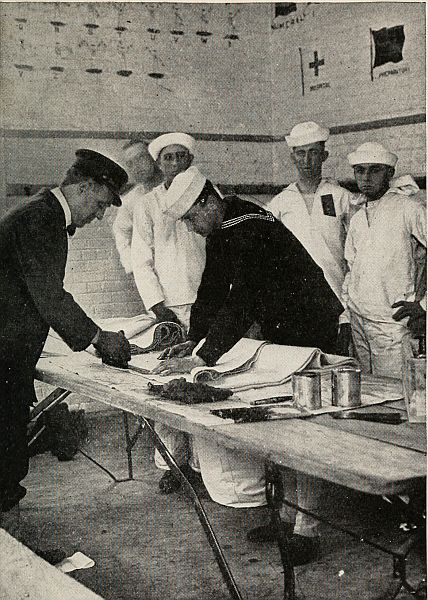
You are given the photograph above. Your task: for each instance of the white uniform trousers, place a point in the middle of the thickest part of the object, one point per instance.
(231, 478)
(380, 348)
(237, 479)
(179, 444)
(306, 492)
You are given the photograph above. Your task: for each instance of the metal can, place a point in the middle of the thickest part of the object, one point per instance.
(307, 389)
(346, 387)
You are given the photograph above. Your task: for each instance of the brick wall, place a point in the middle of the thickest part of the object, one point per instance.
(95, 276)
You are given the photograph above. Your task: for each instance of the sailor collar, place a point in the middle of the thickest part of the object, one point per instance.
(259, 214)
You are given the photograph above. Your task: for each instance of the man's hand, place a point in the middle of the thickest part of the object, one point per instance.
(163, 313)
(113, 348)
(179, 350)
(407, 309)
(343, 339)
(178, 365)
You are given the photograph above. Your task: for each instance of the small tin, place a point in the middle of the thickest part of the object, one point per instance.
(346, 387)
(307, 389)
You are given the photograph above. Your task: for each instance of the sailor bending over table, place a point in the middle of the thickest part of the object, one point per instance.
(256, 269)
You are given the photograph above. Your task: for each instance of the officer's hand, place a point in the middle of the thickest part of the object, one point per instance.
(113, 348)
(163, 313)
(407, 309)
(343, 339)
(179, 350)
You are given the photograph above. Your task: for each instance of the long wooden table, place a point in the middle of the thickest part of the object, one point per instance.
(370, 457)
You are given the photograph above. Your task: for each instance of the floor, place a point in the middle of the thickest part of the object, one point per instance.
(147, 546)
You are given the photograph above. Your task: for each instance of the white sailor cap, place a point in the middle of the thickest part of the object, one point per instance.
(183, 192)
(134, 149)
(308, 132)
(372, 153)
(169, 139)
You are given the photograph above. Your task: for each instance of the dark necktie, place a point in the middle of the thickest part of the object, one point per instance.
(71, 230)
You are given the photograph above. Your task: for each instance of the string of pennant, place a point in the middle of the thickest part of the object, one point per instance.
(177, 32)
(156, 73)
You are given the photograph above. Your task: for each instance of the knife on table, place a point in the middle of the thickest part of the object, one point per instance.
(391, 418)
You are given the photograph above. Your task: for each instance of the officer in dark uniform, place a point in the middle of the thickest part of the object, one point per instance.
(33, 248)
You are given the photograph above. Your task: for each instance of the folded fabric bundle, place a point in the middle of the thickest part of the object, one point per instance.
(131, 326)
(253, 364)
(240, 359)
(145, 333)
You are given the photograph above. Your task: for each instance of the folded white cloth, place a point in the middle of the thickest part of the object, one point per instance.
(258, 364)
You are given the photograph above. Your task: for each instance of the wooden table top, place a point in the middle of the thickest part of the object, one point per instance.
(371, 457)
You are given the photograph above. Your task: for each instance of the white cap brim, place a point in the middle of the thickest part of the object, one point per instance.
(321, 135)
(375, 157)
(183, 192)
(169, 139)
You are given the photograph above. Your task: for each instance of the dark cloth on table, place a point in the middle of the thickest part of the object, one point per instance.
(33, 251)
(257, 270)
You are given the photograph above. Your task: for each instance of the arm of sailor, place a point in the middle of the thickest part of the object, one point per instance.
(143, 257)
(212, 292)
(239, 309)
(122, 231)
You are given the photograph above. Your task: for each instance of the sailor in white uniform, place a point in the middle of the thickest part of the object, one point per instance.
(317, 210)
(383, 250)
(167, 262)
(144, 174)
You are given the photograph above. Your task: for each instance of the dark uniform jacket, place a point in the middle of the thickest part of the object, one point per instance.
(33, 255)
(256, 270)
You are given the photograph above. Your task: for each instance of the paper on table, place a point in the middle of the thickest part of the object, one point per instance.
(239, 359)
(252, 364)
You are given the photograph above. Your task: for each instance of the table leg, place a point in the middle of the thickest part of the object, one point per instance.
(54, 398)
(275, 496)
(399, 555)
(203, 518)
(400, 582)
(130, 442)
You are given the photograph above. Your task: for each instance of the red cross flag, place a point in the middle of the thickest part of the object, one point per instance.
(315, 69)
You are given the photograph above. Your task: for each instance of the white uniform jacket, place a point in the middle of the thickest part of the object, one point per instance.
(382, 256)
(167, 259)
(323, 232)
(122, 226)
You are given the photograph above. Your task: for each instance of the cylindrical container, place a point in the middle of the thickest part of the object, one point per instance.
(307, 389)
(346, 386)
(414, 387)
